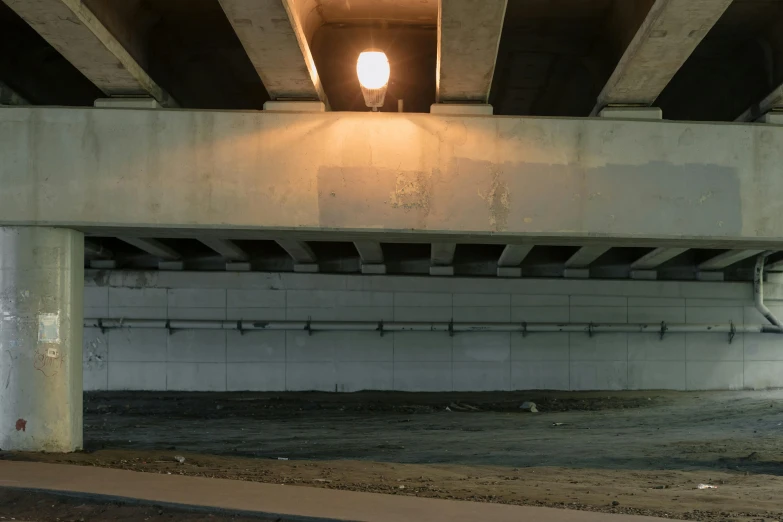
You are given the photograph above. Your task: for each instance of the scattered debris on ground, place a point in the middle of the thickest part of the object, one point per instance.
(646, 451)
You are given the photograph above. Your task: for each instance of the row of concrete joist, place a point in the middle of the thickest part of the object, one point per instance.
(100, 42)
(442, 254)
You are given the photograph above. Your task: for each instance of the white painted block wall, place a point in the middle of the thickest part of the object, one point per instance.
(203, 360)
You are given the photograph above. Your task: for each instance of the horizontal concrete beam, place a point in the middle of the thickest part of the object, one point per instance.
(153, 247)
(8, 96)
(513, 255)
(95, 250)
(585, 256)
(662, 44)
(411, 177)
(299, 251)
(370, 252)
(81, 34)
(656, 258)
(727, 259)
(468, 39)
(227, 249)
(773, 100)
(275, 41)
(442, 254)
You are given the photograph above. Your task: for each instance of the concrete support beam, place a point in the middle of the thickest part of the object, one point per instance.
(370, 252)
(41, 294)
(275, 41)
(442, 258)
(442, 254)
(644, 275)
(8, 96)
(304, 259)
(656, 258)
(227, 249)
(462, 109)
(631, 113)
(468, 38)
(576, 273)
(662, 44)
(585, 256)
(709, 276)
(153, 247)
(773, 100)
(727, 259)
(95, 250)
(510, 259)
(83, 38)
(513, 255)
(772, 118)
(371, 255)
(347, 176)
(298, 250)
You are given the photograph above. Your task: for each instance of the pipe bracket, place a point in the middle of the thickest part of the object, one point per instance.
(663, 329)
(380, 327)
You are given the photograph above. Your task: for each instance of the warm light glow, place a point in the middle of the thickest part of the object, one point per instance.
(373, 69)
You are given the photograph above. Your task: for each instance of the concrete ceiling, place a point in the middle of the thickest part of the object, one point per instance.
(553, 60)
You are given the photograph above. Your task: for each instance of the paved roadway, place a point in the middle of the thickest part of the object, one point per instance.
(291, 501)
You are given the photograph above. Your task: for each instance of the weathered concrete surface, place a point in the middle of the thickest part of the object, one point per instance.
(79, 33)
(274, 38)
(468, 39)
(416, 176)
(666, 38)
(41, 324)
(286, 501)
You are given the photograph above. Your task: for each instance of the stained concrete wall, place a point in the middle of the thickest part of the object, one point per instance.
(152, 359)
(480, 178)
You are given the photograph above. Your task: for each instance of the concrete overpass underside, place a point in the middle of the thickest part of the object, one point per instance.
(183, 150)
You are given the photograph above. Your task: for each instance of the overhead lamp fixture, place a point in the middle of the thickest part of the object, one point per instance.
(373, 71)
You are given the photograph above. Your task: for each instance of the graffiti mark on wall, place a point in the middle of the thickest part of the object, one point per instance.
(49, 362)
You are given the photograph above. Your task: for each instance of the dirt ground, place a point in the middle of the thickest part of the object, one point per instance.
(44, 507)
(622, 452)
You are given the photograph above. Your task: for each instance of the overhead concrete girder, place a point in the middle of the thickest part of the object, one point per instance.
(228, 249)
(8, 96)
(80, 33)
(656, 258)
(727, 259)
(468, 39)
(419, 177)
(279, 51)
(153, 247)
(661, 45)
(585, 256)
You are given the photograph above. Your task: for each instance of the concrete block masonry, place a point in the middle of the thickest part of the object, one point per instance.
(223, 360)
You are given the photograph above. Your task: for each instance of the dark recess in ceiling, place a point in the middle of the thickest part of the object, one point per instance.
(35, 70)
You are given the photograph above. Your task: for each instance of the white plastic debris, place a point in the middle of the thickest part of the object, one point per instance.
(706, 486)
(282, 458)
(529, 406)
(180, 459)
(448, 409)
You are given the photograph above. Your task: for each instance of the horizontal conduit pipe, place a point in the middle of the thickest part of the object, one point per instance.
(358, 326)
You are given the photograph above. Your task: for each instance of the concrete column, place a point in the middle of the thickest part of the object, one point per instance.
(41, 323)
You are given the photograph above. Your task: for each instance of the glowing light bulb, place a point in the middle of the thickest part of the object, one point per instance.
(373, 69)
